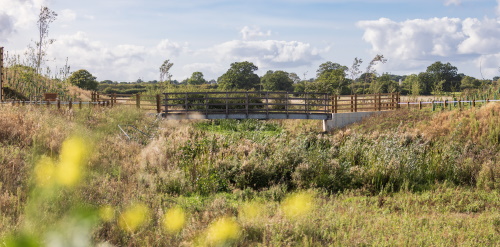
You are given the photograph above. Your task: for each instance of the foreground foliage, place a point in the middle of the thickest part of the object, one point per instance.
(402, 178)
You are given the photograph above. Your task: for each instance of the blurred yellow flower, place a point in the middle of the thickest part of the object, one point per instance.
(174, 220)
(250, 211)
(298, 204)
(70, 161)
(222, 231)
(44, 171)
(107, 213)
(134, 217)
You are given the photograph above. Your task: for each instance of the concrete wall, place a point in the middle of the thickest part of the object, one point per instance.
(340, 120)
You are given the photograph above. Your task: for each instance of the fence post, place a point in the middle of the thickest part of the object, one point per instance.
(186, 103)
(138, 101)
(355, 102)
(70, 104)
(1, 74)
(166, 103)
(286, 104)
(408, 103)
(58, 104)
(420, 105)
(267, 103)
(227, 104)
(352, 103)
(158, 104)
(246, 104)
(433, 106)
(379, 102)
(473, 103)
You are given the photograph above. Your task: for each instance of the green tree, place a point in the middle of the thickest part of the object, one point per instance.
(83, 79)
(331, 78)
(426, 83)
(196, 79)
(445, 76)
(239, 76)
(277, 81)
(412, 83)
(469, 82)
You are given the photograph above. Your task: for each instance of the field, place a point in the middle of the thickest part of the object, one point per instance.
(404, 178)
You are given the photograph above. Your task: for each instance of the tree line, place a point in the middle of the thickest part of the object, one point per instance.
(330, 77)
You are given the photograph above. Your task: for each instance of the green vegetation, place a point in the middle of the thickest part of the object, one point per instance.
(401, 178)
(83, 79)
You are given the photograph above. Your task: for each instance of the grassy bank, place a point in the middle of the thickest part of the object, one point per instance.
(402, 178)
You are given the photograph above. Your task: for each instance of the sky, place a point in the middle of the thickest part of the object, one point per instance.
(127, 40)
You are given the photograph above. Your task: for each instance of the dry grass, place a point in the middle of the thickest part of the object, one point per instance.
(390, 180)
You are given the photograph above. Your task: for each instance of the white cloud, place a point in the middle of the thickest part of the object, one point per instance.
(249, 33)
(270, 53)
(452, 2)
(168, 48)
(22, 13)
(416, 41)
(482, 37)
(124, 62)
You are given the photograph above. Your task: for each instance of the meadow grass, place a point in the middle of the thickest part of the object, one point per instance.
(402, 178)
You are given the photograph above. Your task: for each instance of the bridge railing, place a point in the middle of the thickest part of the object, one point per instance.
(246, 103)
(365, 102)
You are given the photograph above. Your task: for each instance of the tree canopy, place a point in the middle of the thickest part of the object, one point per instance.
(83, 79)
(196, 79)
(277, 81)
(331, 78)
(445, 75)
(239, 76)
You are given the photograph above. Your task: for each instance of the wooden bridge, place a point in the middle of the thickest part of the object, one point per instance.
(270, 105)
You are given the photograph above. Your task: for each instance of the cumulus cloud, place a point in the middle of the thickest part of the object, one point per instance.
(414, 39)
(168, 48)
(432, 39)
(452, 2)
(249, 33)
(22, 13)
(125, 61)
(269, 53)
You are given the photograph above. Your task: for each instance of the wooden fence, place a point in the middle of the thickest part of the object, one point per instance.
(146, 102)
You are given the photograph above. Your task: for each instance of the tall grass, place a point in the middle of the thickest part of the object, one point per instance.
(404, 178)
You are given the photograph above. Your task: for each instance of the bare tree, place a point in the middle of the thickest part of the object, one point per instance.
(370, 70)
(45, 18)
(354, 71)
(164, 70)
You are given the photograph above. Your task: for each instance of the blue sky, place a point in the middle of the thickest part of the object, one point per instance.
(129, 39)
